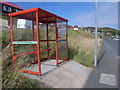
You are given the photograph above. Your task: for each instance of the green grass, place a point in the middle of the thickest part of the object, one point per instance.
(81, 47)
(5, 38)
(11, 78)
(80, 50)
(84, 59)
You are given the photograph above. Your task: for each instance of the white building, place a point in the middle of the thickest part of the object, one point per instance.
(75, 28)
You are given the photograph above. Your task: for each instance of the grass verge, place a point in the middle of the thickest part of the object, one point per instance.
(81, 47)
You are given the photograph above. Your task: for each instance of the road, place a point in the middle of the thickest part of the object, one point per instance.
(106, 74)
(113, 46)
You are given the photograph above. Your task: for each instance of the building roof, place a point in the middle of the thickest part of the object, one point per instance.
(44, 16)
(10, 4)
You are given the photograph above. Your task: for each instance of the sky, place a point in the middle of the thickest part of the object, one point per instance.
(80, 13)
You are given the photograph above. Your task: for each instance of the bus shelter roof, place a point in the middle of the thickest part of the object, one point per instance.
(44, 16)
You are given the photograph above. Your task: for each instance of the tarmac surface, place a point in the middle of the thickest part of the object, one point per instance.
(105, 75)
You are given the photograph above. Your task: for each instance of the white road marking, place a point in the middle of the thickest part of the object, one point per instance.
(107, 79)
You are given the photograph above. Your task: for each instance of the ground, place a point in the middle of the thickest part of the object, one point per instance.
(105, 75)
(68, 75)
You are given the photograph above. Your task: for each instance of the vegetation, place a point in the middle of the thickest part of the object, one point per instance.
(109, 32)
(80, 49)
(11, 78)
(5, 17)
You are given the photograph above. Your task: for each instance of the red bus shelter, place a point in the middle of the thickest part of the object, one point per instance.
(43, 30)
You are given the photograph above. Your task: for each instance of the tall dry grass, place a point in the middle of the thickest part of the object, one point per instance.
(83, 44)
(10, 77)
(80, 49)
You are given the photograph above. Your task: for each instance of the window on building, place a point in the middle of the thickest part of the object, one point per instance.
(17, 10)
(7, 8)
(4, 8)
(10, 9)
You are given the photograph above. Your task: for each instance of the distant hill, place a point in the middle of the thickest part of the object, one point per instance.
(111, 31)
(93, 28)
(108, 29)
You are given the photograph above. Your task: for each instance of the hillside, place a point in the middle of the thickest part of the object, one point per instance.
(80, 49)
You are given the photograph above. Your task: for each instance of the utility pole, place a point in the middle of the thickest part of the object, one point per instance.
(96, 35)
(102, 34)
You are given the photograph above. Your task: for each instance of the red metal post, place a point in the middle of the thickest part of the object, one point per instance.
(11, 36)
(33, 38)
(27, 71)
(56, 43)
(47, 40)
(33, 30)
(67, 40)
(38, 42)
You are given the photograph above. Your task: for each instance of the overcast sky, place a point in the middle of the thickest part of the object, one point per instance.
(80, 13)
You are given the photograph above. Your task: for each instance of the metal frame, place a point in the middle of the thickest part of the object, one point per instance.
(37, 11)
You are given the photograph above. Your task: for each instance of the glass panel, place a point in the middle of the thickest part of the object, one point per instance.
(62, 53)
(22, 30)
(51, 31)
(61, 30)
(43, 46)
(52, 46)
(42, 30)
(62, 50)
(25, 59)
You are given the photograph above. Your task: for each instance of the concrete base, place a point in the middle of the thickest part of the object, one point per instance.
(69, 75)
(46, 67)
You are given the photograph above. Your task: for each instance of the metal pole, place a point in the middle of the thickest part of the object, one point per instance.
(56, 28)
(96, 36)
(12, 39)
(38, 42)
(33, 38)
(47, 41)
(33, 31)
(67, 39)
(102, 34)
